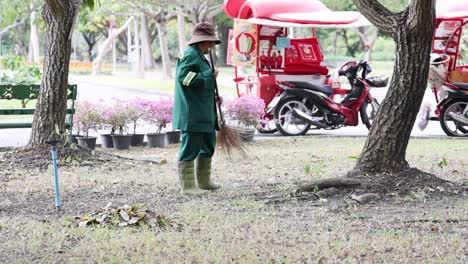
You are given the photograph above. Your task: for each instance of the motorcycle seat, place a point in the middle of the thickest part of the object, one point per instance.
(326, 89)
(463, 86)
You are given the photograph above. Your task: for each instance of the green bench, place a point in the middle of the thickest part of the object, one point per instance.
(24, 93)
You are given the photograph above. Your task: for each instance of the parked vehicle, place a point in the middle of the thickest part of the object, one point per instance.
(262, 41)
(448, 73)
(453, 108)
(305, 105)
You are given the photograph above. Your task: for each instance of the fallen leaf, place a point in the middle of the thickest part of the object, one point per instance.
(124, 215)
(134, 220)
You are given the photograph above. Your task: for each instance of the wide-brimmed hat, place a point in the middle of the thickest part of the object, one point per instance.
(203, 32)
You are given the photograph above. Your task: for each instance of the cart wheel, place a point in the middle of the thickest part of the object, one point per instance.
(286, 123)
(369, 112)
(450, 126)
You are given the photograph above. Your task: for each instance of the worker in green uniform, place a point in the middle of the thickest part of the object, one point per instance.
(194, 111)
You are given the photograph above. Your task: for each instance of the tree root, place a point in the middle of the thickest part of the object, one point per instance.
(329, 183)
(365, 198)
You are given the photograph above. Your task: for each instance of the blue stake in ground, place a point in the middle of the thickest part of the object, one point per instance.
(56, 183)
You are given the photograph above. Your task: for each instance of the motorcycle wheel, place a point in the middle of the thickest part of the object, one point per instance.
(452, 127)
(368, 112)
(286, 123)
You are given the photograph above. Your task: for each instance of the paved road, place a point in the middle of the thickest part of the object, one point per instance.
(88, 90)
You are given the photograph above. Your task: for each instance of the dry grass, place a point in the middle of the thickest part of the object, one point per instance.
(237, 224)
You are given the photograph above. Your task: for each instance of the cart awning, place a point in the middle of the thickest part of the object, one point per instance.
(452, 9)
(310, 13)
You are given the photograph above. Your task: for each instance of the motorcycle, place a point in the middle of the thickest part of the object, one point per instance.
(453, 108)
(311, 105)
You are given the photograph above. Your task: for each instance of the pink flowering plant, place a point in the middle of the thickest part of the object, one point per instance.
(246, 110)
(87, 116)
(136, 108)
(159, 112)
(115, 116)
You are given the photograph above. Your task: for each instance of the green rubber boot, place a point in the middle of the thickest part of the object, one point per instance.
(204, 175)
(187, 179)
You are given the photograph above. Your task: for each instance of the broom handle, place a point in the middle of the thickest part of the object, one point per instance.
(216, 89)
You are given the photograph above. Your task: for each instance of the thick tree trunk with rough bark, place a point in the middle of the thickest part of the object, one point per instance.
(412, 29)
(59, 17)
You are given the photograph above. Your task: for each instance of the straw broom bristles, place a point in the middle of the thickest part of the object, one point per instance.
(229, 141)
(227, 138)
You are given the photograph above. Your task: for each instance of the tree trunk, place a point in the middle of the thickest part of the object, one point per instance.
(52, 102)
(106, 47)
(33, 54)
(224, 36)
(146, 51)
(368, 41)
(166, 61)
(90, 39)
(136, 53)
(385, 148)
(335, 43)
(181, 30)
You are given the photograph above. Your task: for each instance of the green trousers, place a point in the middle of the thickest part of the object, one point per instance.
(197, 144)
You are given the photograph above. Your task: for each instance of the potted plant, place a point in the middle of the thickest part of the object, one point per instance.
(116, 116)
(245, 114)
(107, 113)
(158, 113)
(87, 117)
(136, 108)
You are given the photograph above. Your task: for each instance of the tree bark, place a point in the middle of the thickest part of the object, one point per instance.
(146, 51)
(166, 61)
(59, 17)
(412, 29)
(90, 39)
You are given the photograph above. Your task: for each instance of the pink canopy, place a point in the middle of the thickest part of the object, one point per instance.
(301, 12)
(452, 9)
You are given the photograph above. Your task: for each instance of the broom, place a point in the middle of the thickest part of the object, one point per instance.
(227, 138)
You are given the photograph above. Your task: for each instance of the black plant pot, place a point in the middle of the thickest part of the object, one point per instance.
(72, 139)
(106, 141)
(121, 141)
(137, 139)
(173, 137)
(87, 142)
(156, 140)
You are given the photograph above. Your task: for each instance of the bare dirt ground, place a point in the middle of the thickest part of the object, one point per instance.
(260, 216)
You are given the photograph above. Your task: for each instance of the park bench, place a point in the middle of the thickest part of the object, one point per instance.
(23, 94)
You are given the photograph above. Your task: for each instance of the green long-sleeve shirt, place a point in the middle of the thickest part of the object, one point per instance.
(194, 109)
